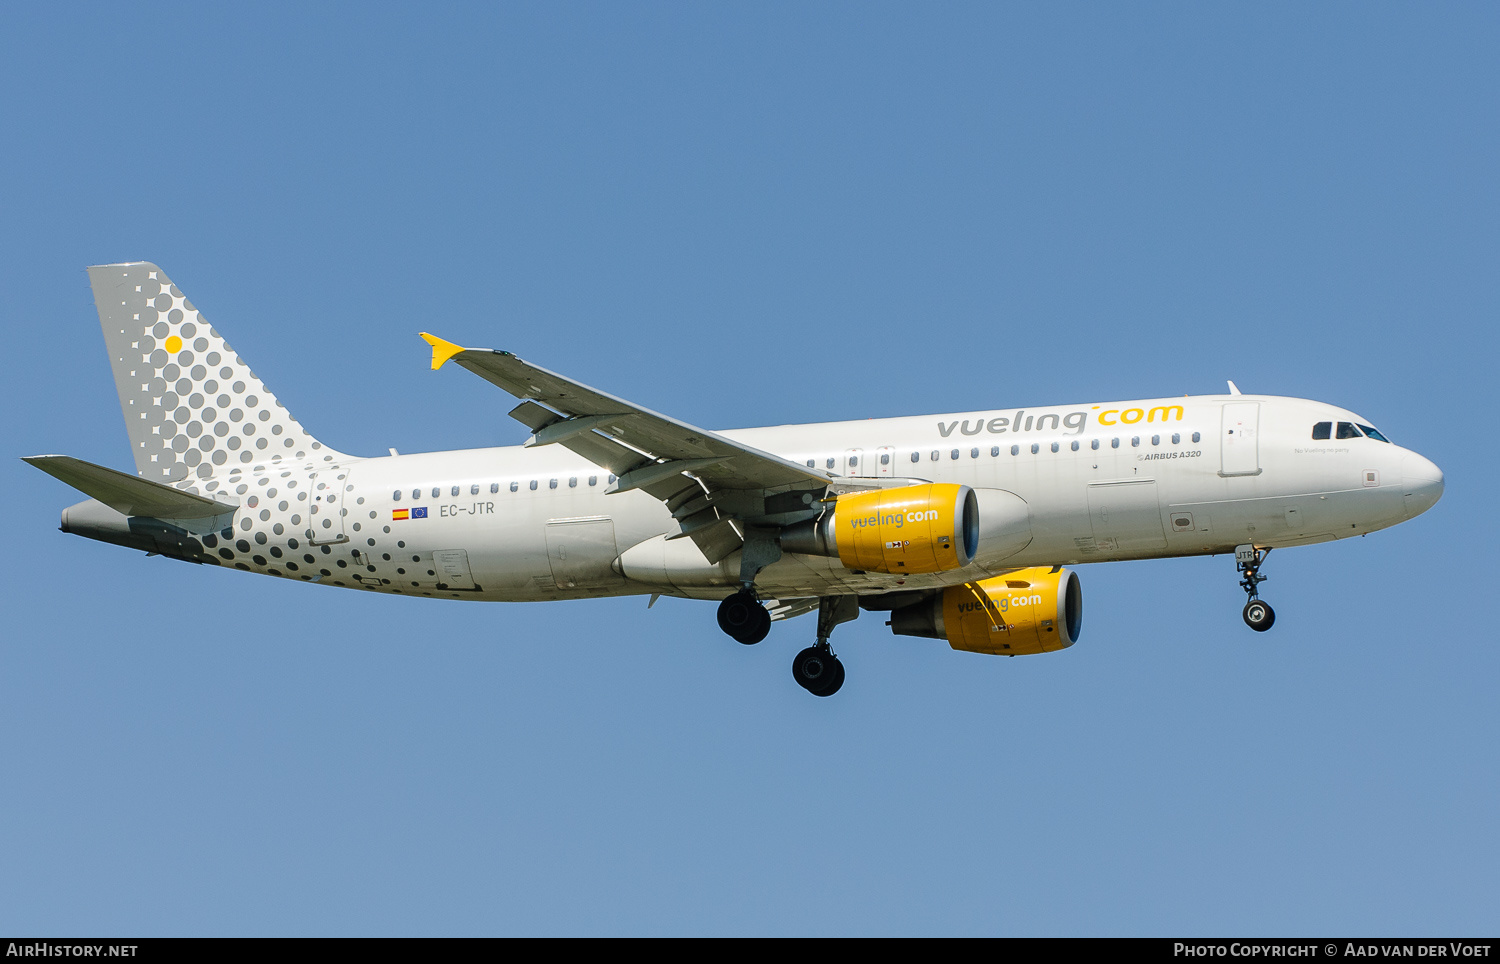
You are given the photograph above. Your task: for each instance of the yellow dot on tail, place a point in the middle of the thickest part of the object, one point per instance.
(174, 344)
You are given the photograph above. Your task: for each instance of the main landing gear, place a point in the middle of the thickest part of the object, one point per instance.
(744, 618)
(816, 669)
(741, 615)
(1258, 614)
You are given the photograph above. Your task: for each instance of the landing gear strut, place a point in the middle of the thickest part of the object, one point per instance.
(816, 669)
(1258, 614)
(741, 615)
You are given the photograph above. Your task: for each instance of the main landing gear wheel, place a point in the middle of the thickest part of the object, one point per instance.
(818, 671)
(744, 618)
(1259, 615)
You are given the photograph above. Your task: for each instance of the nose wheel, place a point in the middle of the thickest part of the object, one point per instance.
(1258, 614)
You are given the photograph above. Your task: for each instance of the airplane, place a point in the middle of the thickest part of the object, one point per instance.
(960, 527)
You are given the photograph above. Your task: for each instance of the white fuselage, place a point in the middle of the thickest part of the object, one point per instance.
(1108, 481)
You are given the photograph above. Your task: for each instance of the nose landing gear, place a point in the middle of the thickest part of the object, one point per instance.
(1258, 614)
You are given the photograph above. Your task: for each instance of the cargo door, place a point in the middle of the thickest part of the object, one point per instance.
(1125, 516)
(581, 551)
(452, 566)
(1239, 439)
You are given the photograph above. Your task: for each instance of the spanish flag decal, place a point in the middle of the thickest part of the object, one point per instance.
(399, 514)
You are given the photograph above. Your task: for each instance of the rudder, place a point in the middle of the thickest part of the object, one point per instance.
(192, 406)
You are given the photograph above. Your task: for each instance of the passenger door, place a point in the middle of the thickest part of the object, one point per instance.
(1239, 439)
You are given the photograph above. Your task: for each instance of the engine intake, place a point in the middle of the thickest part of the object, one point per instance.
(912, 529)
(1023, 612)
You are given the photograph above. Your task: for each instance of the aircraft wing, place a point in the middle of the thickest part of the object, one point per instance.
(708, 481)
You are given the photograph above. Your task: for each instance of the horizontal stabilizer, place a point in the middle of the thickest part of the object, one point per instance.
(127, 493)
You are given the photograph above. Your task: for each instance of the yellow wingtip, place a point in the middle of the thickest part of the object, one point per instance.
(441, 350)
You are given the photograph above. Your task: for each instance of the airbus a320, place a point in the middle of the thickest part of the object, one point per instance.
(959, 527)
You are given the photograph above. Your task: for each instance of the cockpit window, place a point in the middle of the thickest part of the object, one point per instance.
(1322, 430)
(1346, 430)
(1370, 431)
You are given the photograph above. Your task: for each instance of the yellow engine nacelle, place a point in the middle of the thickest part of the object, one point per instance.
(910, 529)
(1022, 612)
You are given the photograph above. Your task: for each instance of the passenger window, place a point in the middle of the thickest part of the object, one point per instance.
(934, 455)
(1035, 448)
(1374, 434)
(1322, 431)
(1135, 441)
(853, 461)
(474, 489)
(1176, 438)
(436, 492)
(809, 463)
(1075, 445)
(573, 482)
(916, 456)
(830, 463)
(1197, 437)
(494, 488)
(515, 486)
(955, 454)
(994, 451)
(416, 493)
(396, 496)
(593, 480)
(1094, 445)
(455, 490)
(1054, 446)
(551, 483)
(885, 459)
(1347, 430)
(611, 478)
(533, 485)
(1156, 440)
(974, 453)
(1015, 450)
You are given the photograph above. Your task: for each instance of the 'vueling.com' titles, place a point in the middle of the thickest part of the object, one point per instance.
(1076, 422)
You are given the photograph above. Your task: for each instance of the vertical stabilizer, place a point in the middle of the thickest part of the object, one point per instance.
(192, 406)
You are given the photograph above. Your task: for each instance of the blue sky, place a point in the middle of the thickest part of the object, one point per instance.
(747, 215)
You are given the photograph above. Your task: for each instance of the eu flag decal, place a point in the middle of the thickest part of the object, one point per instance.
(420, 512)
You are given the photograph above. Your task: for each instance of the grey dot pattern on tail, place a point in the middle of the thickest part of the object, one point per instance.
(192, 406)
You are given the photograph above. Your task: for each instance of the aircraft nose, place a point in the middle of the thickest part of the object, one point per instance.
(1421, 483)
